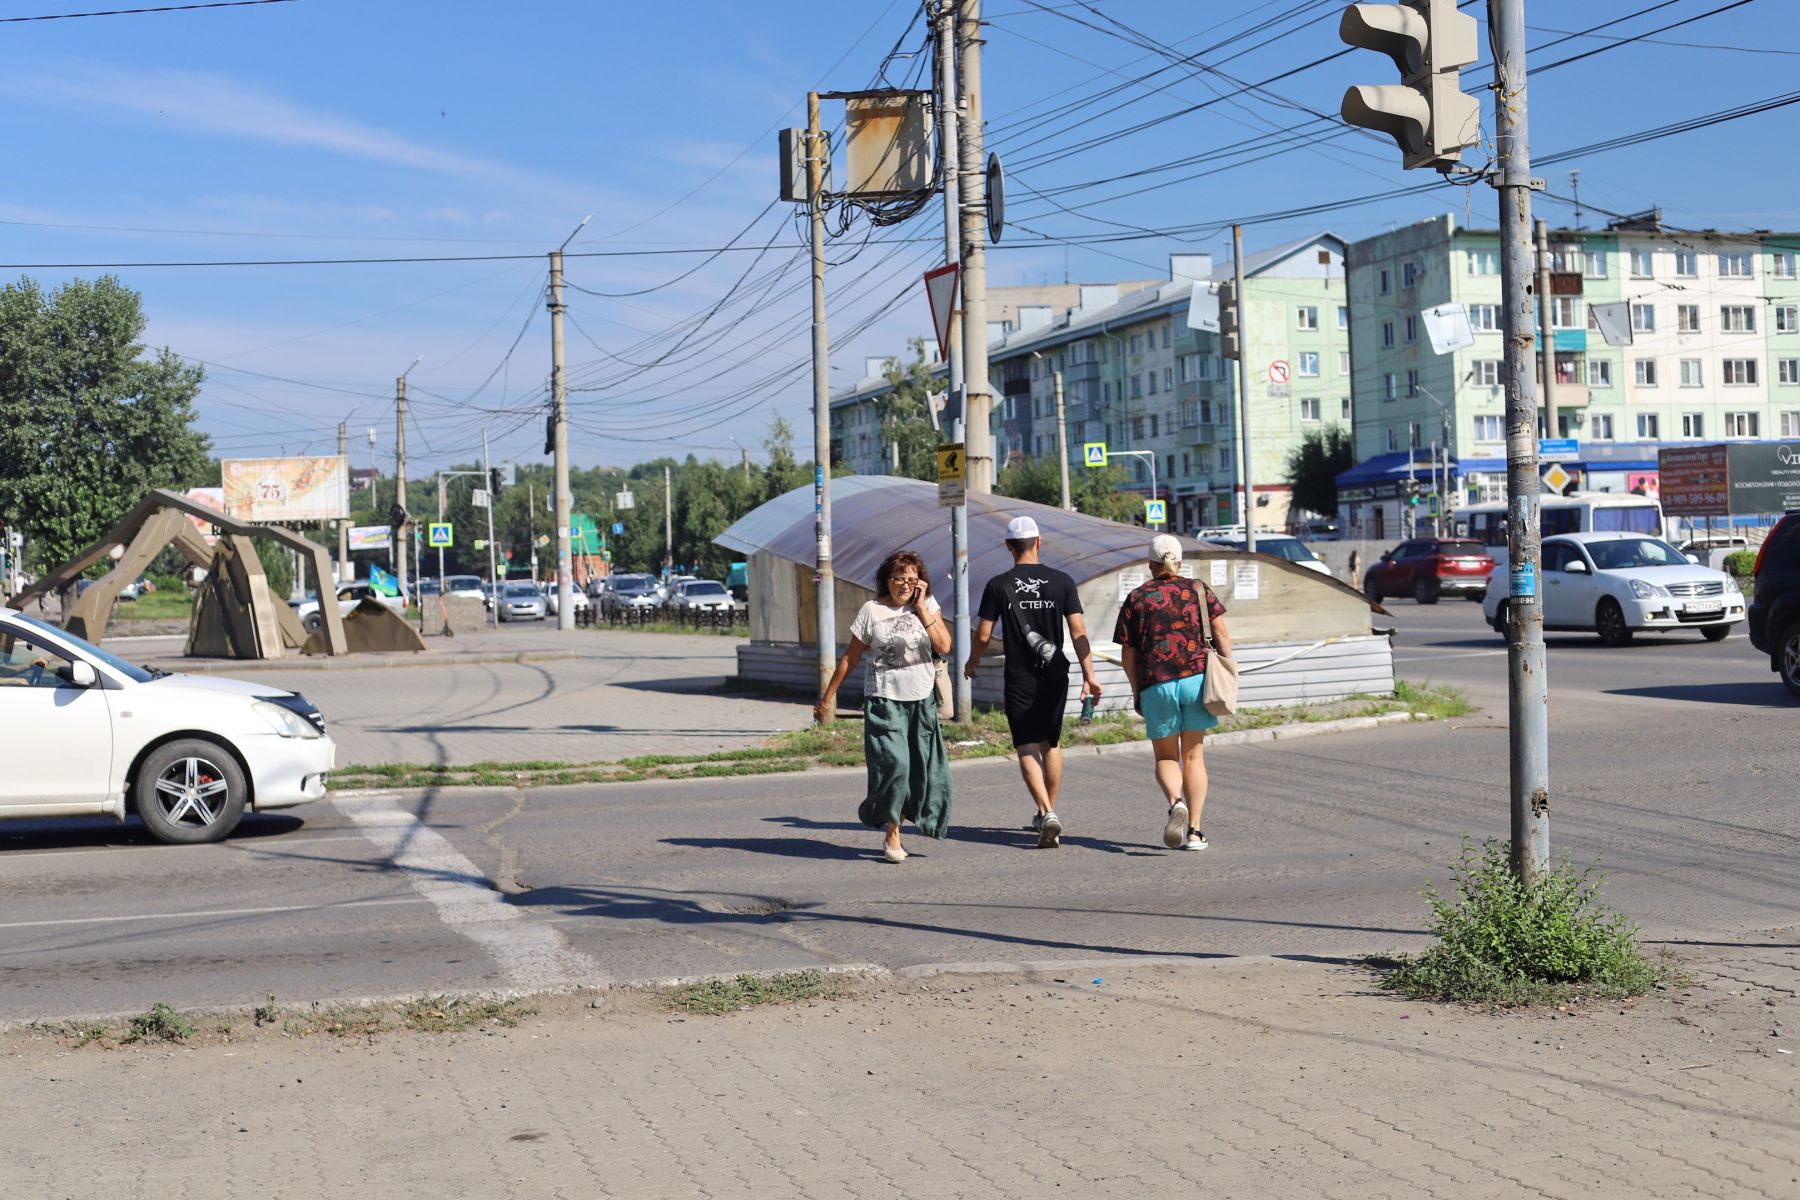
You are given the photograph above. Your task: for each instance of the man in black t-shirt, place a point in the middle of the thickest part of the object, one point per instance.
(1030, 603)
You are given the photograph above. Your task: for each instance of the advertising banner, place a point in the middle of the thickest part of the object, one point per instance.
(1765, 477)
(370, 537)
(1694, 481)
(276, 490)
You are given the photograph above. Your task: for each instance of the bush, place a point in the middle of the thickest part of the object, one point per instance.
(1503, 943)
(1741, 563)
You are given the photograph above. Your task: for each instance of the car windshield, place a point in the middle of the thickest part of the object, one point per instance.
(462, 583)
(1468, 549)
(130, 670)
(521, 591)
(704, 589)
(1288, 548)
(1626, 553)
(640, 584)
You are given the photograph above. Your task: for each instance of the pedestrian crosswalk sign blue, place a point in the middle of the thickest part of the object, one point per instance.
(1093, 454)
(1156, 512)
(439, 533)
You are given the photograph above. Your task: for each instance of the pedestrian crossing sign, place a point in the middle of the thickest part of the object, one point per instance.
(1093, 454)
(1156, 512)
(439, 533)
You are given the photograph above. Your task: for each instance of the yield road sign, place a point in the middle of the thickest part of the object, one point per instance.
(1557, 479)
(1278, 371)
(440, 533)
(1156, 512)
(940, 291)
(1093, 454)
(951, 465)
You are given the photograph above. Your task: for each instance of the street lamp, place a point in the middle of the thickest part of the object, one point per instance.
(1445, 496)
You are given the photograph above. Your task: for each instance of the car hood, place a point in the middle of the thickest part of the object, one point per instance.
(1664, 576)
(212, 685)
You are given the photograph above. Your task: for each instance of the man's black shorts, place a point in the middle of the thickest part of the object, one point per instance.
(1036, 714)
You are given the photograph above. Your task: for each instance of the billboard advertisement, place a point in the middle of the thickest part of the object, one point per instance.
(1694, 481)
(276, 490)
(370, 537)
(1765, 477)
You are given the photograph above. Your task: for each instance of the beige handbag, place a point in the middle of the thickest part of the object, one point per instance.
(946, 698)
(1220, 691)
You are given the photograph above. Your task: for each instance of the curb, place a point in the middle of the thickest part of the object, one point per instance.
(357, 662)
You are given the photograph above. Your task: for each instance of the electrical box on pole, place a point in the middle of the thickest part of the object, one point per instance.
(1427, 115)
(888, 147)
(1230, 331)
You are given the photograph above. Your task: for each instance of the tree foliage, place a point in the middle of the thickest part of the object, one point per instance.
(1098, 492)
(906, 417)
(1314, 464)
(90, 423)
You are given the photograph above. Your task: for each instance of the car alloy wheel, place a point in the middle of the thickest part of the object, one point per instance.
(1789, 650)
(1425, 590)
(190, 791)
(1609, 619)
(1370, 590)
(1503, 622)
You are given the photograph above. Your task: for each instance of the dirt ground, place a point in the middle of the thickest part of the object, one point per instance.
(1241, 1078)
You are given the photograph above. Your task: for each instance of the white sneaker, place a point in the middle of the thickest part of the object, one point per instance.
(1049, 832)
(1195, 840)
(1176, 829)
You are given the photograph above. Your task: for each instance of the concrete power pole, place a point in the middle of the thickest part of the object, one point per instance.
(1062, 444)
(668, 527)
(402, 534)
(344, 526)
(824, 600)
(1528, 684)
(487, 475)
(559, 437)
(961, 706)
(1546, 360)
(978, 403)
(1243, 399)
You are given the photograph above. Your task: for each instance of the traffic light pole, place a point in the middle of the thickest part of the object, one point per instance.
(487, 470)
(1243, 374)
(961, 692)
(1528, 684)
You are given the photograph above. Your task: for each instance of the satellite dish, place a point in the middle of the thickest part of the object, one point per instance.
(996, 198)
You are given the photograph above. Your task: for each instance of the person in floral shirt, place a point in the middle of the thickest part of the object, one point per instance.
(1163, 639)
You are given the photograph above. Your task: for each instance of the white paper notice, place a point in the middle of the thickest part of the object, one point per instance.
(1218, 573)
(1245, 583)
(1186, 570)
(1131, 581)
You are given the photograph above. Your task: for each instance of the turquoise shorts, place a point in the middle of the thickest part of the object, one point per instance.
(1176, 707)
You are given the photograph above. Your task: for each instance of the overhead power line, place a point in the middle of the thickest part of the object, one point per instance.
(133, 12)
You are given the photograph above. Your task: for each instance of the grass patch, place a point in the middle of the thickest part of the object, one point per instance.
(338, 1020)
(87, 1035)
(164, 604)
(722, 996)
(266, 1013)
(1503, 944)
(163, 1023)
(450, 1014)
(741, 631)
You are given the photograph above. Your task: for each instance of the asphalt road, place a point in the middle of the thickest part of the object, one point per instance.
(1673, 762)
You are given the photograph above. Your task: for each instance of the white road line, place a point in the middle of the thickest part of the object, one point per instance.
(534, 956)
(211, 912)
(1446, 655)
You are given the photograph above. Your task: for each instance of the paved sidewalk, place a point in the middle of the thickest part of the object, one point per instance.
(1244, 1078)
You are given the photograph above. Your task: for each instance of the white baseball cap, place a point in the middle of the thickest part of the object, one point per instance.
(1165, 548)
(1020, 528)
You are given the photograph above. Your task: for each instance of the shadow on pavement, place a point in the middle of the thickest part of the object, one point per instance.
(1756, 695)
(781, 847)
(81, 833)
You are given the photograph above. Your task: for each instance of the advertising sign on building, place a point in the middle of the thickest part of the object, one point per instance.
(1694, 481)
(277, 490)
(370, 537)
(1765, 476)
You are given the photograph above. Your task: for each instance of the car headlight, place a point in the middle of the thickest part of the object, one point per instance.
(285, 721)
(1644, 590)
(1731, 586)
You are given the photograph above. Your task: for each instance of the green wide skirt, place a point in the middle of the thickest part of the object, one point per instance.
(909, 773)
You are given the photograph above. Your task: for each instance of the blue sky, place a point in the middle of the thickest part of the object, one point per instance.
(333, 129)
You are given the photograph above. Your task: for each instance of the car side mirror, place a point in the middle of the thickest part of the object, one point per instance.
(1387, 555)
(1694, 558)
(1576, 567)
(81, 674)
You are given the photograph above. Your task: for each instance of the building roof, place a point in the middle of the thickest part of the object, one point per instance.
(1386, 468)
(874, 515)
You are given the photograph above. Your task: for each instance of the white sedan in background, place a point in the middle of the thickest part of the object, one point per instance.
(578, 597)
(1619, 585)
(89, 734)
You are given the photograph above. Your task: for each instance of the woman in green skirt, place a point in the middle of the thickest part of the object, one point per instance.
(909, 774)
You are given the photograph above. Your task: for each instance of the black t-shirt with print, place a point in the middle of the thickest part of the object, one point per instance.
(1043, 598)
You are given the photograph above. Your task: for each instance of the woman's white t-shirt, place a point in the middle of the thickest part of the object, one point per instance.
(899, 650)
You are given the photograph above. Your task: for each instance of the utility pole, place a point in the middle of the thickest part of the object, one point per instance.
(978, 400)
(1547, 339)
(668, 528)
(402, 534)
(824, 585)
(344, 526)
(487, 475)
(559, 423)
(1243, 374)
(1528, 684)
(961, 705)
(442, 514)
(1062, 443)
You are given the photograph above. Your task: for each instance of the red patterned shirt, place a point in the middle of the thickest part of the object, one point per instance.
(1161, 621)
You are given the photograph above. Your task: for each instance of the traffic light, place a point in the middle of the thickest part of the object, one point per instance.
(396, 517)
(1410, 489)
(1428, 116)
(496, 481)
(1230, 335)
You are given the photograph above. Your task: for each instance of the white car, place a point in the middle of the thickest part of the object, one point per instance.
(1281, 545)
(91, 734)
(1618, 585)
(578, 598)
(349, 595)
(701, 595)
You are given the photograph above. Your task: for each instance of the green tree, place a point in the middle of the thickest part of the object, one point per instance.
(1098, 492)
(91, 424)
(785, 472)
(906, 417)
(1314, 464)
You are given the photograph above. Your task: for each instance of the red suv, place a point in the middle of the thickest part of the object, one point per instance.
(1426, 568)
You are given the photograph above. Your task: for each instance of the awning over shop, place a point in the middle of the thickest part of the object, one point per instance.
(1387, 468)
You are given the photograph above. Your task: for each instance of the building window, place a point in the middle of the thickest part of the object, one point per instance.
(1643, 318)
(1787, 319)
(1649, 427)
(1137, 431)
(1781, 264)
(1307, 317)
(1488, 429)
(1691, 375)
(1409, 274)
(1153, 424)
(1413, 435)
(1168, 333)
(1137, 386)
(1224, 458)
(1565, 312)
(1309, 408)
(1740, 372)
(1150, 376)
(1387, 333)
(1412, 328)
(1484, 262)
(1168, 379)
(1184, 367)
(1487, 372)
(1137, 343)
(1393, 439)
(1599, 373)
(1787, 370)
(1343, 362)
(1790, 424)
(1600, 426)
(1644, 372)
(1642, 264)
(1343, 317)
(1412, 383)
(1737, 318)
(1484, 318)
(1687, 318)
(1344, 406)
(1387, 388)
(1741, 424)
(1309, 363)
(1106, 391)
(1693, 425)
(1595, 265)
(1387, 284)
(1687, 263)
(1735, 265)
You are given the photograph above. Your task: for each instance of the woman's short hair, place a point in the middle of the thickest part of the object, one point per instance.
(892, 563)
